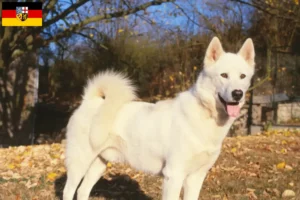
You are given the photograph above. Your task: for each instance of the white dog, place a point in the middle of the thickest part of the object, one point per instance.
(180, 138)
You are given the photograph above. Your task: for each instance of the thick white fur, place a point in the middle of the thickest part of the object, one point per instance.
(117, 90)
(180, 138)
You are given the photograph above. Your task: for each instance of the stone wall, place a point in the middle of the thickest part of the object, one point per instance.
(256, 114)
(288, 111)
(239, 127)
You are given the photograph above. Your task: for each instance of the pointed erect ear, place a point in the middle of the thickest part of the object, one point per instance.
(247, 52)
(213, 52)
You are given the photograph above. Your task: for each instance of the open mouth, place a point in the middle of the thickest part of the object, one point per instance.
(232, 108)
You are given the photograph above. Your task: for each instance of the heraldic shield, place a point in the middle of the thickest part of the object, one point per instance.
(22, 13)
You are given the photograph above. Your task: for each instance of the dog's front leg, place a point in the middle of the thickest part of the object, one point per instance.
(193, 184)
(172, 185)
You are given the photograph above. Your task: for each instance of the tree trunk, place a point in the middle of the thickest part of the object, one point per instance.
(18, 96)
(275, 43)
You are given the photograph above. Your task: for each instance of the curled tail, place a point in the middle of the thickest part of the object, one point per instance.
(116, 90)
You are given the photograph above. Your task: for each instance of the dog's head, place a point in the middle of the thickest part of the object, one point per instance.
(229, 74)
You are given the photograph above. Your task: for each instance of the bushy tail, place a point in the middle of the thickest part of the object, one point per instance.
(116, 90)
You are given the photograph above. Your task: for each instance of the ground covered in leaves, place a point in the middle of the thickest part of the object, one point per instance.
(266, 166)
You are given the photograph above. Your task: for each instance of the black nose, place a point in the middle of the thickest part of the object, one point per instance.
(237, 94)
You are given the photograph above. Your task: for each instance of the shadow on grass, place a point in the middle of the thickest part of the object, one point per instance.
(120, 187)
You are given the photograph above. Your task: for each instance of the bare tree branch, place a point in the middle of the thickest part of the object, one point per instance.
(105, 16)
(62, 15)
(273, 11)
(91, 39)
(187, 16)
(49, 6)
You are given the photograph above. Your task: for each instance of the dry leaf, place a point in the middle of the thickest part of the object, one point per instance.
(288, 193)
(30, 185)
(51, 176)
(62, 169)
(277, 193)
(228, 169)
(266, 194)
(233, 150)
(11, 166)
(281, 165)
(108, 165)
(18, 197)
(288, 167)
(283, 142)
(283, 151)
(252, 195)
(16, 176)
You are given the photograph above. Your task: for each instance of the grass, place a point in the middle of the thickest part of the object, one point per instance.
(254, 167)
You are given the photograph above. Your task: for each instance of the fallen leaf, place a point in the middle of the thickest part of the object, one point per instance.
(268, 148)
(225, 198)
(11, 166)
(283, 151)
(233, 150)
(250, 190)
(16, 176)
(288, 167)
(252, 195)
(288, 193)
(283, 142)
(136, 176)
(62, 169)
(281, 165)
(128, 170)
(287, 133)
(266, 194)
(108, 165)
(252, 174)
(30, 185)
(51, 176)
(228, 169)
(277, 193)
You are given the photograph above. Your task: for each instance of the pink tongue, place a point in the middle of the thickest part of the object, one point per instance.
(233, 111)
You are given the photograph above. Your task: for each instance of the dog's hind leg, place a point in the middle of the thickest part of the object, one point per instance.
(93, 174)
(76, 169)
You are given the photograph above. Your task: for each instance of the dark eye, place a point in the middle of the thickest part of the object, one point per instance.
(242, 76)
(224, 75)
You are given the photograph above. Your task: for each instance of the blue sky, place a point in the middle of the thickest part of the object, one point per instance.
(159, 14)
(166, 16)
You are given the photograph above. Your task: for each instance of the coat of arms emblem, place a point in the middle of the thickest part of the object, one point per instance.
(22, 13)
